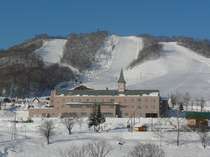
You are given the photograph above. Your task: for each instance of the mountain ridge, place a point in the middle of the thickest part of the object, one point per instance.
(72, 60)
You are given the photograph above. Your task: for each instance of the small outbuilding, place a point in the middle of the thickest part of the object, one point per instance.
(198, 119)
(141, 127)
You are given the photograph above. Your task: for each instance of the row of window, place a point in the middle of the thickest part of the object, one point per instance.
(141, 106)
(112, 100)
(75, 114)
(148, 115)
(89, 106)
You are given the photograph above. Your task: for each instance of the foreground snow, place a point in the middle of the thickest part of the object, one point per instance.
(29, 143)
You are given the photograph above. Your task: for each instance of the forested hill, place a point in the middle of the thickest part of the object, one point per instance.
(42, 63)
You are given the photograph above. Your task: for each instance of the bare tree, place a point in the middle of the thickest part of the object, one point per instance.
(95, 149)
(80, 121)
(202, 103)
(204, 139)
(178, 128)
(192, 104)
(47, 130)
(146, 150)
(69, 123)
(173, 98)
(179, 102)
(75, 152)
(159, 130)
(99, 149)
(186, 100)
(203, 133)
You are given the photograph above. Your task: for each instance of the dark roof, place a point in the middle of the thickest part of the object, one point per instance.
(197, 115)
(82, 87)
(107, 92)
(121, 79)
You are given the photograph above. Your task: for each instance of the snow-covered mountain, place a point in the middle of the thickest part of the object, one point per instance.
(97, 58)
(178, 69)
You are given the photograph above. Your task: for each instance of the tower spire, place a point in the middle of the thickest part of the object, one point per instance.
(121, 82)
(121, 79)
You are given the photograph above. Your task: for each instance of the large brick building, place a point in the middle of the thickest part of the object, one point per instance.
(114, 103)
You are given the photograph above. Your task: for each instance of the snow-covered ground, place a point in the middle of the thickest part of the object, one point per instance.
(29, 143)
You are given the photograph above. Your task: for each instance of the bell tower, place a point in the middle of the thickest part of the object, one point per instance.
(121, 82)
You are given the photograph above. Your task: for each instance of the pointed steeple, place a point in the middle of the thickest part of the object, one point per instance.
(121, 79)
(121, 82)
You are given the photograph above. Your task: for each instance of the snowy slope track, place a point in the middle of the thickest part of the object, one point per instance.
(185, 71)
(52, 50)
(118, 53)
(178, 70)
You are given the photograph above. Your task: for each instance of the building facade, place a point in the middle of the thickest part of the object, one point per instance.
(114, 103)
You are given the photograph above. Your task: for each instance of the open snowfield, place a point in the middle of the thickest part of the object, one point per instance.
(29, 143)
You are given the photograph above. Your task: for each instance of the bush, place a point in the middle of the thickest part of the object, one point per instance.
(146, 150)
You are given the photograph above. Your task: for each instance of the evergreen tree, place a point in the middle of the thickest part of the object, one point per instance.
(181, 108)
(99, 116)
(96, 118)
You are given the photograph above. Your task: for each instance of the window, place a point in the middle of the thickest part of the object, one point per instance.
(68, 114)
(75, 105)
(139, 99)
(151, 115)
(126, 114)
(87, 105)
(108, 114)
(83, 114)
(111, 106)
(112, 100)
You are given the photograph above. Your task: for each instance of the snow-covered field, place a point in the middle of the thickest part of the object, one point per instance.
(29, 142)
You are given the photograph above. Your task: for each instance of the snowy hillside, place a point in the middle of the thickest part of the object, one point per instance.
(52, 50)
(117, 53)
(177, 70)
(174, 69)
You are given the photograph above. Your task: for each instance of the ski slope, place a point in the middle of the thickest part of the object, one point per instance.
(52, 50)
(118, 53)
(179, 69)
